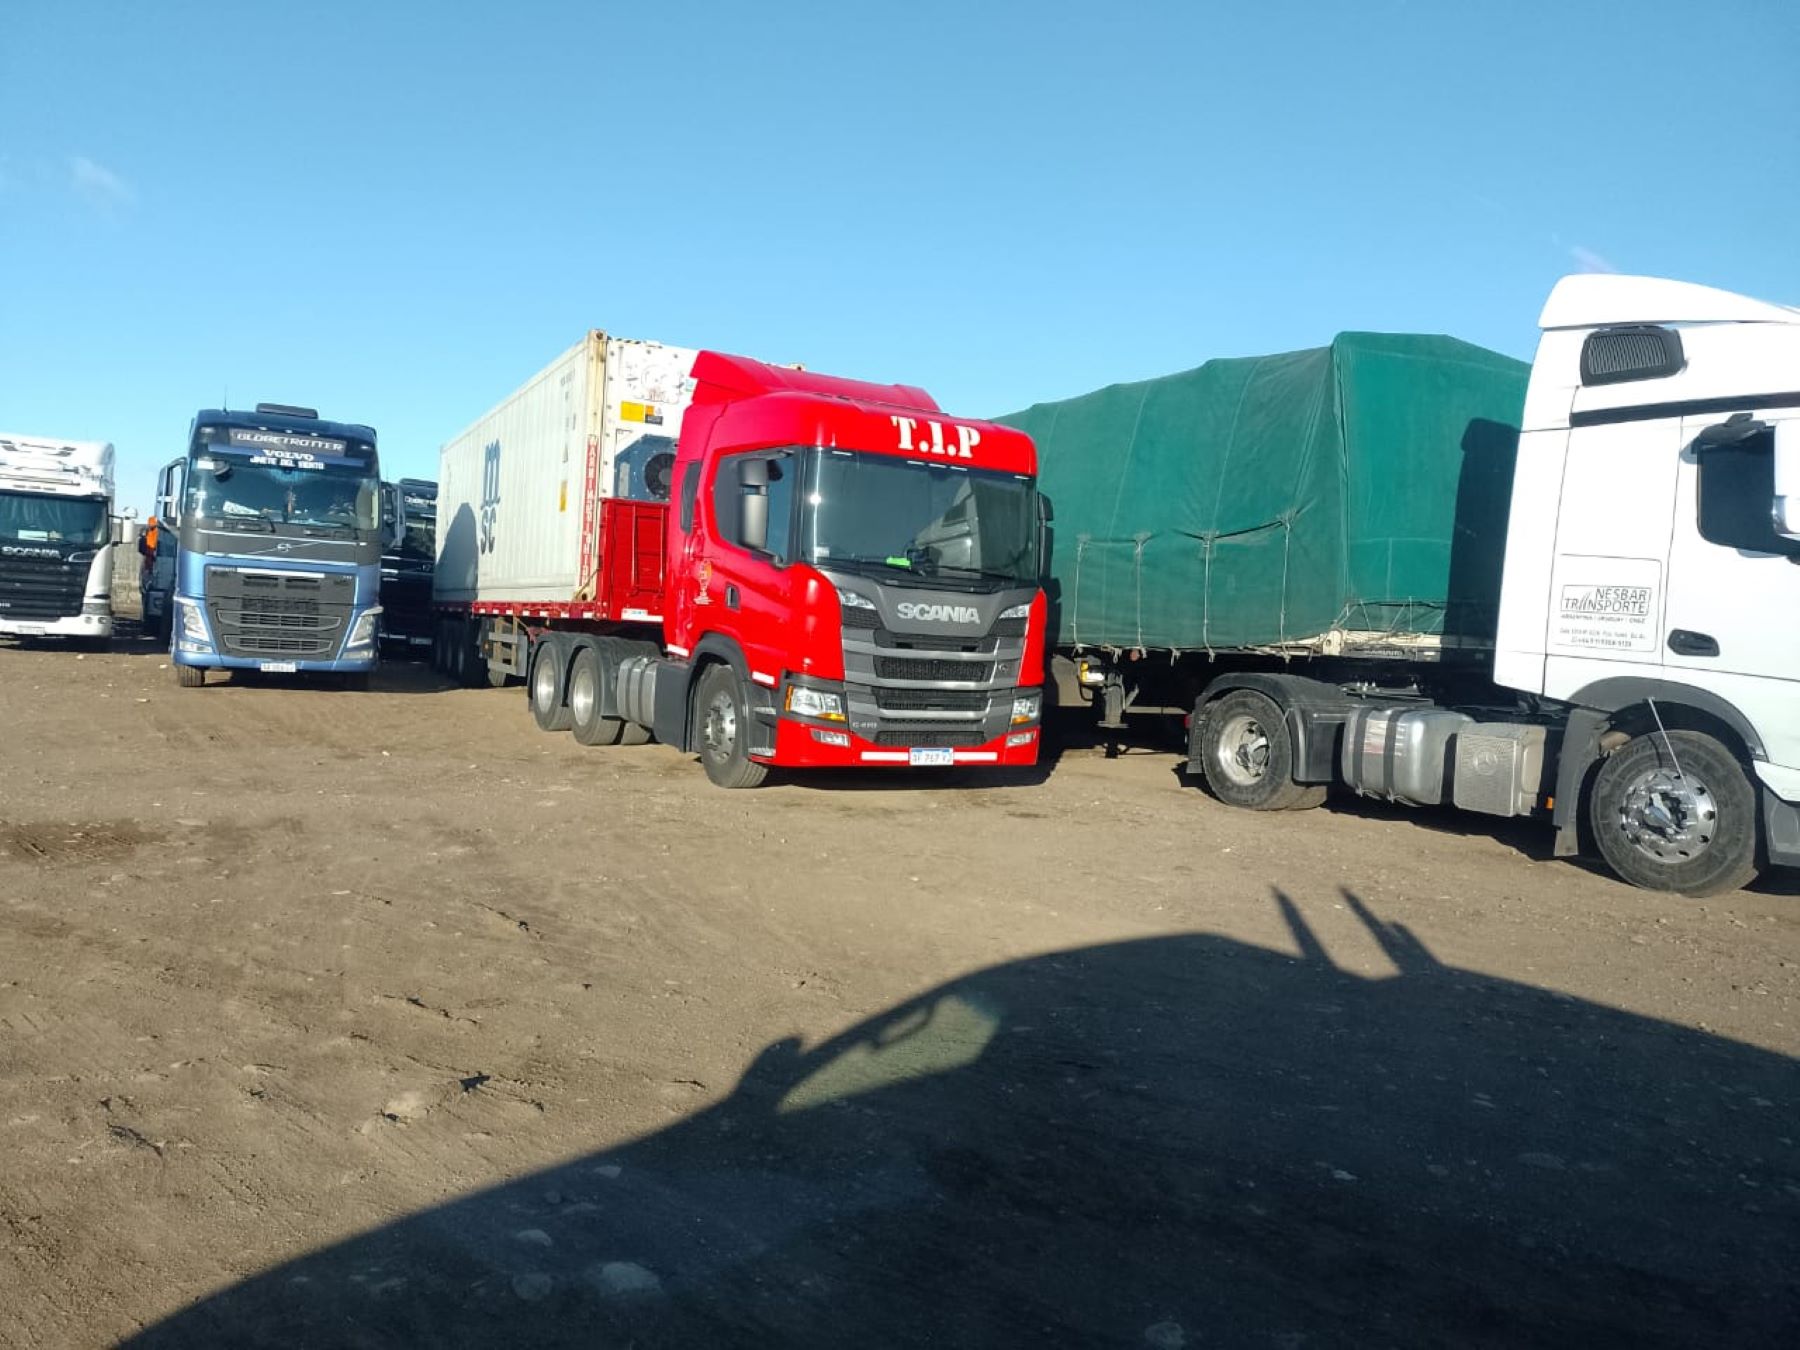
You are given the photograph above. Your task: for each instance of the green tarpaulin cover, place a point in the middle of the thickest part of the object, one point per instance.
(1350, 495)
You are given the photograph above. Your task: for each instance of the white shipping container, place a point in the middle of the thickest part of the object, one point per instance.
(519, 491)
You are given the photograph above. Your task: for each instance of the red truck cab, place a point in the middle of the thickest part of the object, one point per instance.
(849, 578)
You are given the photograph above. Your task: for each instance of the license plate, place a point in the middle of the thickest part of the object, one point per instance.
(931, 756)
(278, 667)
(30, 630)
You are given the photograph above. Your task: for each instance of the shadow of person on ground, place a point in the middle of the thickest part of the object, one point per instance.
(1174, 1141)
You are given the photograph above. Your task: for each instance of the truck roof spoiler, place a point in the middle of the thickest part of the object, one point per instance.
(747, 378)
(1596, 300)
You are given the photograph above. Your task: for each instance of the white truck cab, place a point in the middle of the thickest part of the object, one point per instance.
(1644, 686)
(56, 536)
(1653, 557)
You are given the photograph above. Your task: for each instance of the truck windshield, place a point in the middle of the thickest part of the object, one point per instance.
(40, 517)
(897, 516)
(420, 539)
(227, 487)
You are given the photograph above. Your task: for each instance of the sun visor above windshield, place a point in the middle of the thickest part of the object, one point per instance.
(719, 376)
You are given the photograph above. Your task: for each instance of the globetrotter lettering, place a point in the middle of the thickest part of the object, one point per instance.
(930, 438)
(938, 613)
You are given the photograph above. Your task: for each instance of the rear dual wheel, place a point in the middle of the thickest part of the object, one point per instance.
(1247, 755)
(587, 688)
(549, 694)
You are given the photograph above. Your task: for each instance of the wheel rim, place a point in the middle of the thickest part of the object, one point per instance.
(543, 684)
(1243, 753)
(1666, 818)
(583, 695)
(721, 726)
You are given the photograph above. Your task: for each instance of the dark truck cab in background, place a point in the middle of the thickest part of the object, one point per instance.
(409, 522)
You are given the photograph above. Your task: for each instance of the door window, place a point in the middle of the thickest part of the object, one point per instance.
(1735, 494)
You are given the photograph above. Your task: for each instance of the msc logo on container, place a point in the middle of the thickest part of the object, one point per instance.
(490, 494)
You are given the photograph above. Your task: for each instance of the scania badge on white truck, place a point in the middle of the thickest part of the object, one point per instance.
(56, 532)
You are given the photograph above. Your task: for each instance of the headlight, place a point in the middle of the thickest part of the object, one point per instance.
(851, 600)
(1026, 706)
(193, 625)
(803, 701)
(363, 634)
(1017, 611)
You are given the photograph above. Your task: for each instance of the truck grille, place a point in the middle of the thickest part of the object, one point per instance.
(42, 588)
(278, 614)
(931, 700)
(925, 668)
(906, 737)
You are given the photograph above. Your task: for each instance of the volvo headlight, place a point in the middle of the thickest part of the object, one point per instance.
(1026, 706)
(363, 633)
(193, 623)
(804, 701)
(851, 600)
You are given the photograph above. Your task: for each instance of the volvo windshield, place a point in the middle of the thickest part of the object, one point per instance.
(900, 518)
(40, 518)
(260, 480)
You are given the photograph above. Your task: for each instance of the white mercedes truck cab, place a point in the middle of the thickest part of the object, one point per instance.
(1653, 574)
(1643, 692)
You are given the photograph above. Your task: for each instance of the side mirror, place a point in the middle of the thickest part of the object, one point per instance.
(753, 481)
(1046, 512)
(1787, 479)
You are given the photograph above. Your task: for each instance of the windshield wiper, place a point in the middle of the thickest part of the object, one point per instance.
(980, 574)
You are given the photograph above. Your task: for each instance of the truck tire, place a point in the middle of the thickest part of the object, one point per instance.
(587, 689)
(722, 715)
(1676, 813)
(190, 677)
(549, 701)
(1247, 755)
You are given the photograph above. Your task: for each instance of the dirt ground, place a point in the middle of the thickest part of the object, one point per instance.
(381, 1019)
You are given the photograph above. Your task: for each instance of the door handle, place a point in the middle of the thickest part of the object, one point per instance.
(1684, 642)
(731, 600)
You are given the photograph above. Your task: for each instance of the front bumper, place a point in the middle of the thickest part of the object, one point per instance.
(798, 744)
(342, 665)
(75, 626)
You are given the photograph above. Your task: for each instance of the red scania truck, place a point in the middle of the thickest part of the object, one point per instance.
(754, 563)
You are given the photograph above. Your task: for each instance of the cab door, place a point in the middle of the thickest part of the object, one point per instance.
(1734, 582)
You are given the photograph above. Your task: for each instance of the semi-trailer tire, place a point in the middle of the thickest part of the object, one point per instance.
(587, 690)
(1676, 813)
(549, 702)
(722, 714)
(1247, 755)
(190, 677)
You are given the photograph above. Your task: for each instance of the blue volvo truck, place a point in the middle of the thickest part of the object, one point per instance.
(277, 517)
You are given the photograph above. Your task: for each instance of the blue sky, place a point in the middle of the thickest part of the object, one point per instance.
(396, 212)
